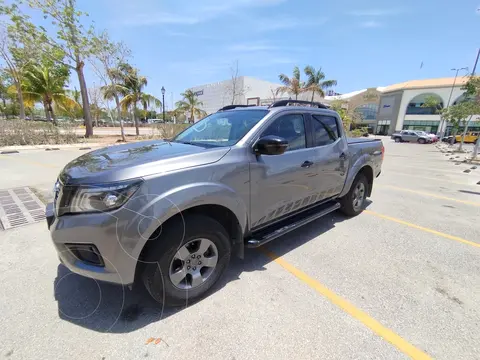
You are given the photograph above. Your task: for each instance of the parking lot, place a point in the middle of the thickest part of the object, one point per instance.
(400, 280)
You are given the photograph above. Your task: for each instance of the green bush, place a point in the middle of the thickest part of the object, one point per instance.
(20, 132)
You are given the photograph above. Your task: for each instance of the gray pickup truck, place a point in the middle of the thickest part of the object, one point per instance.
(170, 213)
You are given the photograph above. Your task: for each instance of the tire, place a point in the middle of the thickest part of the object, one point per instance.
(163, 260)
(397, 139)
(348, 203)
(421, 141)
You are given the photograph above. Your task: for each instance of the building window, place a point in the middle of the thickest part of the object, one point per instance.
(367, 111)
(417, 105)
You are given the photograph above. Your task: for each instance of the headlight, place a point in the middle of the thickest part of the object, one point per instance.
(96, 198)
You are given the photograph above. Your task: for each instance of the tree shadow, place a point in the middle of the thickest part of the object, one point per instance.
(105, 307)
(469, 192)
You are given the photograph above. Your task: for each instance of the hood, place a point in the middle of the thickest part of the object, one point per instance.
(129, 161)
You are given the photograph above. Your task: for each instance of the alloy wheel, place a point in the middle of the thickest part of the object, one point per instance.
(193, 264)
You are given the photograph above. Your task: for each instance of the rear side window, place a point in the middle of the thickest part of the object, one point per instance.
(325, 130)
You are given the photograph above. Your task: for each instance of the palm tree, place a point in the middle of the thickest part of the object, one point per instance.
(190, 104)
(316, 82)
(146, 100)
(113, 91)
(45, 82)
(132, 91)
(291, 85)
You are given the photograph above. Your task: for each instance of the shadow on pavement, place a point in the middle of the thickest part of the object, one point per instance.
(111, 308)
(469, 192)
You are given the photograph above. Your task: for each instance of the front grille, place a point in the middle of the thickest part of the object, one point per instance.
(86, 253)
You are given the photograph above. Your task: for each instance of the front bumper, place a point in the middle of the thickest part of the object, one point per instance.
(104, 232)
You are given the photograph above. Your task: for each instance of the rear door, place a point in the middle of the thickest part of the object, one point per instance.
(332, 157)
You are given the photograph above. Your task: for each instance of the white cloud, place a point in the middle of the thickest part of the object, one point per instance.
(251, 47)
(282, 23)
(375, 12)
(142, 19)
(188, 13)
(371, 24)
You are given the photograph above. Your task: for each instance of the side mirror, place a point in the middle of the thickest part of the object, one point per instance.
(270, 145)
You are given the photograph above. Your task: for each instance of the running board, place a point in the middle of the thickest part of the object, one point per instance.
(254, 243)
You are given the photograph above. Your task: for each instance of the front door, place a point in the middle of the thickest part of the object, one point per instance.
(410, 136)
(283, 183)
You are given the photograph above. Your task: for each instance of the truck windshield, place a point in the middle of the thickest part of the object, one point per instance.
(222, 128)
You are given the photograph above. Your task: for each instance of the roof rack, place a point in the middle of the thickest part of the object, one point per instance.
(300, 102)
(230, 107)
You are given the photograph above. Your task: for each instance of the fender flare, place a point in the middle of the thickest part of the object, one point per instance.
(361, 163)
(182, 198)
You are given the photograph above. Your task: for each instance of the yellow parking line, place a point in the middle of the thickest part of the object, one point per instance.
(429, 194)
(19, 159)
(358, 314)
(418, 227)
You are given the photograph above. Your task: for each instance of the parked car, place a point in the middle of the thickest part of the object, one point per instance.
(432, 137)
(170, 213)
(470, 137)
(411, 136)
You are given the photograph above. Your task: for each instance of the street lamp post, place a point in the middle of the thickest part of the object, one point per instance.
(450, 97)
(163, 102)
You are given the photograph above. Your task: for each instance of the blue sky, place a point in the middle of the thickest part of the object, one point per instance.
(179, 43)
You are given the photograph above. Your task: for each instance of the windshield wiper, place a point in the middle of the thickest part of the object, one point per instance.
(188, 143)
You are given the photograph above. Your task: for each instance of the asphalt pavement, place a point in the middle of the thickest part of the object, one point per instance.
(400, 280)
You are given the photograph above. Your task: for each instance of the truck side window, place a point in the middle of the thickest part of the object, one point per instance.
(325, 129)
(291, 128)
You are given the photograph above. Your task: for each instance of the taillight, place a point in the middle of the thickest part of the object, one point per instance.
(383, 152)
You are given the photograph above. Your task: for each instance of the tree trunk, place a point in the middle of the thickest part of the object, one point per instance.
(54, 118)
(85, 104)
(460, 148)
(452, 141)
(47, 111)
(313, 95)
(475, 149)
(119, 115)
(20, 100)
(137, 130)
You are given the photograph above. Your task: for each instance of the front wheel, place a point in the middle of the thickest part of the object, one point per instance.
(353, 202)
(397, 140)
(421, 141)
(189, 258)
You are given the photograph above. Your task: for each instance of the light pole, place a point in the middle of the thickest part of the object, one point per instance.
(450, 97)
(163, 102)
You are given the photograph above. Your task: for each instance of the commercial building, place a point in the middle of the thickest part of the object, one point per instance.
(402, 105)
(361, 105)
(241, 90)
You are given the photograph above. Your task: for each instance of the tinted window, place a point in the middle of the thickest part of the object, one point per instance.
(325, 130)
(290, 127)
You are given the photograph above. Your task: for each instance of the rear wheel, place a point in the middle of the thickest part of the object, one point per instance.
(353, 203)
(188, 259)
